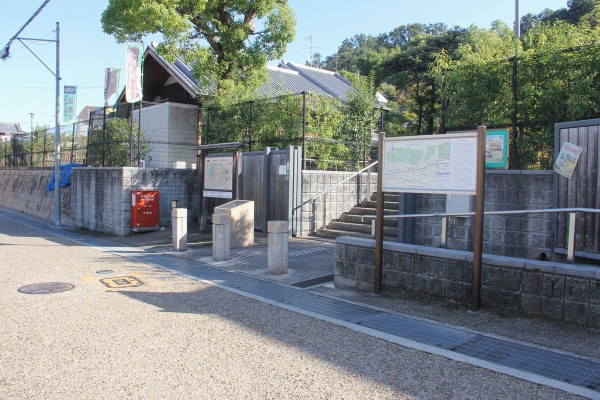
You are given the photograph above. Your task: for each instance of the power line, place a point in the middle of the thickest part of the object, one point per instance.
(47, 87)
(4, 55)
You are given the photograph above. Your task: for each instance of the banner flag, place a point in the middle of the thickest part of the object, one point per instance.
(133, 72)
(69, 103)
(111, 83)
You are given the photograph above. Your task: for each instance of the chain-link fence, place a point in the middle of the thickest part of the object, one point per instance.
(156, 135)
(38, 149)
(317, 123)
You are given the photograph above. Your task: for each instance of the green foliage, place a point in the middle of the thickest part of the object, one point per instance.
(115, 145)
(360, 117)
(237, 52)
(410, 70)
(558, 79)
(335, 132)
(475, 82)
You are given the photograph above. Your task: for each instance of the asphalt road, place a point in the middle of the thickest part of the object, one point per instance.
(176, 338)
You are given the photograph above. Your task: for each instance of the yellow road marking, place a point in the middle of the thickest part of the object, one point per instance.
(121, 281)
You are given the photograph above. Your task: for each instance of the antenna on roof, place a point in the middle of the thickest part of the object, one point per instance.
(310, 47)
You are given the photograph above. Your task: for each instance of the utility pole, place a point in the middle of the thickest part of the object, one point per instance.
(4, 54)
(309, 46)
(514, 163)
(31, 140)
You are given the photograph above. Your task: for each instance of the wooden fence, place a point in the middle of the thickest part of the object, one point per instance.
(581, 190)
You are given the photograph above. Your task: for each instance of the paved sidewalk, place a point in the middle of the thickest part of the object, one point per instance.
(242, 278)
(310, 261)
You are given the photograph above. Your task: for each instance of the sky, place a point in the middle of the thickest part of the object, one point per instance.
(27, 86)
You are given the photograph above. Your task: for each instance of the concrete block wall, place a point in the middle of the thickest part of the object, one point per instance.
(523, 235)
(102, 196)
(341, 199)
(100, 201)
(24, 190)
(509, 285)
(172, 184)
(528, 235)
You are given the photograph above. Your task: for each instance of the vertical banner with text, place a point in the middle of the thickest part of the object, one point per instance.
(69, 104)
(111, 82)
(133, 72)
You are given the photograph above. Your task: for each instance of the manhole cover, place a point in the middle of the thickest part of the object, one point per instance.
(46, 288)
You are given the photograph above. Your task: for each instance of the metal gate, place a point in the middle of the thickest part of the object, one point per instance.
(272, 179)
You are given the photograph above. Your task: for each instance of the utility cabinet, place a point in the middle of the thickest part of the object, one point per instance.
(145, 210)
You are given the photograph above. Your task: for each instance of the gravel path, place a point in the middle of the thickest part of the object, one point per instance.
(176, 338)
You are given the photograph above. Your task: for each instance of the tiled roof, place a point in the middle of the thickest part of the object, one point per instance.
(287, 78)
(331, 82)
(283, 81)
(7, 128)
(85, 112)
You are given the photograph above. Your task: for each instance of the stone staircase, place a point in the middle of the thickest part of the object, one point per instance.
(351, 223)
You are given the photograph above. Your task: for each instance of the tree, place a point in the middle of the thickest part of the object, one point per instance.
(576, 12)
(242, 35)
(359, 116)
(410, 70)
(558, 80)
(116, 145)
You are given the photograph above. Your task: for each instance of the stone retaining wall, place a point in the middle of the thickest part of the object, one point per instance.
(509, 285)
(24, 190)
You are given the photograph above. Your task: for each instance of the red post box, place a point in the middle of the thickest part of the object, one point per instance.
(145, 211)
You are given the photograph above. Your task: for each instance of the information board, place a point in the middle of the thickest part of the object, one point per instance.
(430, 164)
(218, 173)
(496, 147)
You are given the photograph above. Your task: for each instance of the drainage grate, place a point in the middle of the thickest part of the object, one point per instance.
(249, 261)
(313, 282)
(256, 259)
(203, 251)
(46, 288)
(311, 250)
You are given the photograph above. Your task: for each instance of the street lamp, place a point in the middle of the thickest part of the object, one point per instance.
(4, 53)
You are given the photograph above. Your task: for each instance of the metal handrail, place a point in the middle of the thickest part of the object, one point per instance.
(571, 227)
(467, 214)
(314, 198)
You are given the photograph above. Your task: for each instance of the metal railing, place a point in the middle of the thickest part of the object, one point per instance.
(444, 235)
(313, 199)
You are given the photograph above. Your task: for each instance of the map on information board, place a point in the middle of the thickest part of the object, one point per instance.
(430, 164)
(218, 173)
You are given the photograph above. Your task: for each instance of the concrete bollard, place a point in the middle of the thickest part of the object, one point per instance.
(179, 228)
(221, 237)
(278, 247)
